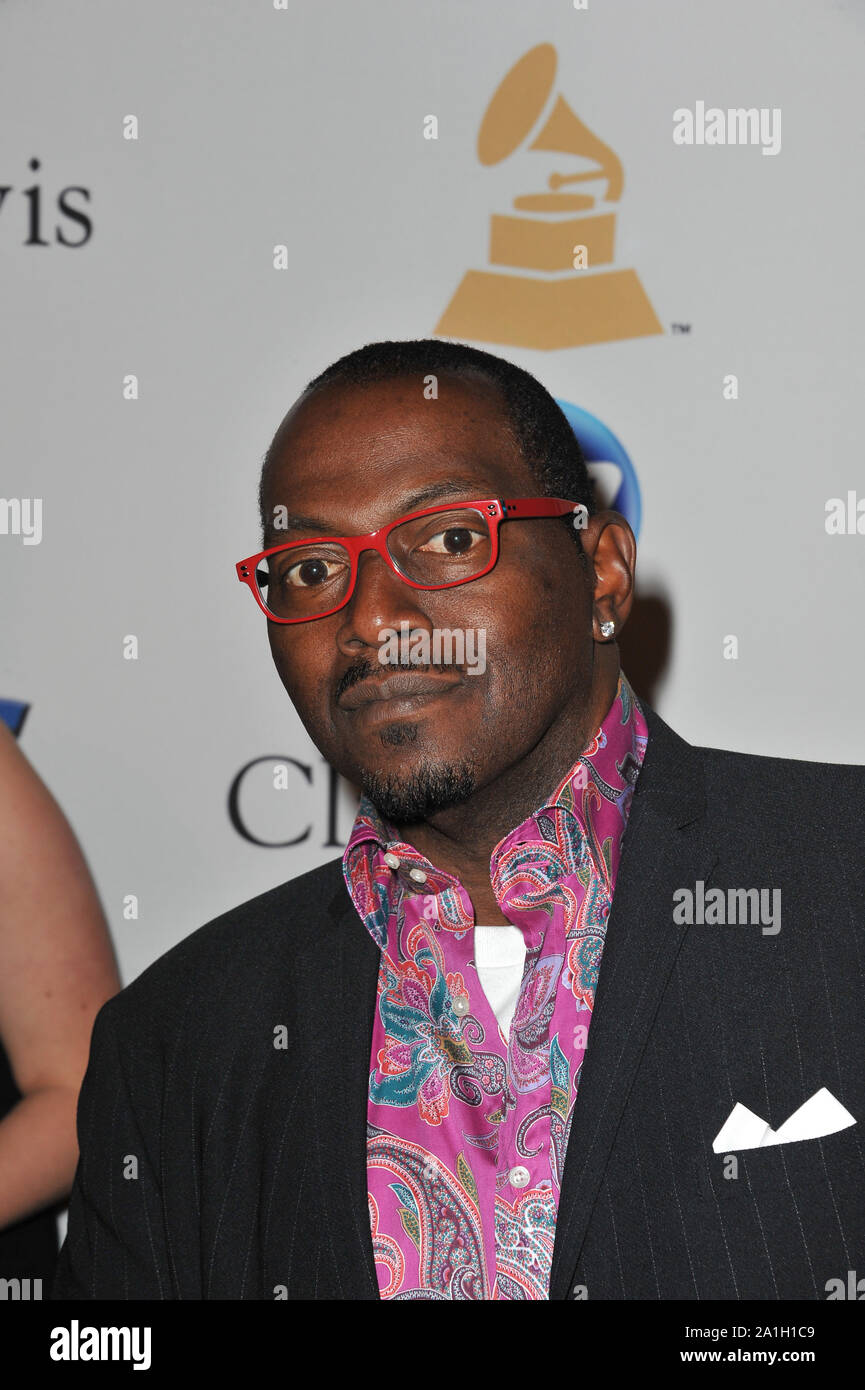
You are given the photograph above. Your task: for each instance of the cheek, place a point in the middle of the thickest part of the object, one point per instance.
(295, 660)
(520, 640)
(548, 608)
(545, 635)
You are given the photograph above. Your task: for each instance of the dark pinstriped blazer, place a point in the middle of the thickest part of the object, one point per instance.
(215, 1165)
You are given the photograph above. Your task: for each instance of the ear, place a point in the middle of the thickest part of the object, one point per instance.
(611, 549)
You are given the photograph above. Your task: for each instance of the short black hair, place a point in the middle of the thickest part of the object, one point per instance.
(540, 429)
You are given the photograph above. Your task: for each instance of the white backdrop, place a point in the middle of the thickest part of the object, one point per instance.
(304, 127)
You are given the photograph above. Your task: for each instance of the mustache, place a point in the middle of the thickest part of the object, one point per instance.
(364, 668)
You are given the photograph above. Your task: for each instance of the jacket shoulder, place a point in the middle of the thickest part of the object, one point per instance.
(255, 940)
(770, 798)
(749, 769)
(829, 792)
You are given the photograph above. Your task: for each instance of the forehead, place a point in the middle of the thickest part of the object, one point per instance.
(343, 433)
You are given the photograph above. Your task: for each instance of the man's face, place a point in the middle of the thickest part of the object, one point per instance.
(356, 458)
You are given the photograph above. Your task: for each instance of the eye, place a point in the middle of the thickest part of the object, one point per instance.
(311, 572)
(455, 540)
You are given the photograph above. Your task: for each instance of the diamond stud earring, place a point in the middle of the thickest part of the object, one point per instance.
(607, 629)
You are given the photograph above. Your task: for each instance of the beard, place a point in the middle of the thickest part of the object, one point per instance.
(430, 786)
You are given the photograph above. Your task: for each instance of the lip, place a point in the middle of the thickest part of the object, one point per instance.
(401, 689)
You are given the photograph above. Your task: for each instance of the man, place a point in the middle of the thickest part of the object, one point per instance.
(492, 1050)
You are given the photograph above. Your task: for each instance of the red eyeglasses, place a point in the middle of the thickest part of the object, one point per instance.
(436, 548)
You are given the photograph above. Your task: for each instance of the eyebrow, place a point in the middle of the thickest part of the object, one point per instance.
(299, 525)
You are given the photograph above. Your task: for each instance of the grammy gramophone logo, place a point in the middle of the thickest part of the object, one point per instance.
(555, 290)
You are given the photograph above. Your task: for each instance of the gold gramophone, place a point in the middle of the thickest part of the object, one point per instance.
(556, 305)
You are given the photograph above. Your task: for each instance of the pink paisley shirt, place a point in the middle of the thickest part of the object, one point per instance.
(467, 1132)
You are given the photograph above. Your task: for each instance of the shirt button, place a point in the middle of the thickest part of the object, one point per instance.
(519, 1176)
(418, 875)
(391, 861)
(460, 1004)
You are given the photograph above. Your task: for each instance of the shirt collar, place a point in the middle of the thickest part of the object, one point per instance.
(613, 756)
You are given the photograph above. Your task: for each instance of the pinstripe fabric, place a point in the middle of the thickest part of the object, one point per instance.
(762, 1019)
(216, 1164)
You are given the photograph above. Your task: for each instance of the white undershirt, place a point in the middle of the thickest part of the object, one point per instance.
(500, 955)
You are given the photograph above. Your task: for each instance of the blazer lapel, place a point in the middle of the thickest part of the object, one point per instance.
(664, 849)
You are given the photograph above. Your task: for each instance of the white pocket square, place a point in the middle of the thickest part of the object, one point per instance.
(820, 1115)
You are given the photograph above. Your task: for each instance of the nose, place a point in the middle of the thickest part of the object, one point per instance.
(381, 599)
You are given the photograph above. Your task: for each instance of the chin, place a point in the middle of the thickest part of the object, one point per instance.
(414, 794)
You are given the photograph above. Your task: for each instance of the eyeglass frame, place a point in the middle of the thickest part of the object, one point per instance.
(495, 509)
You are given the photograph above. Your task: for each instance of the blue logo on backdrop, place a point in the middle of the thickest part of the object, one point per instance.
(600, 446)
(12, 713)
